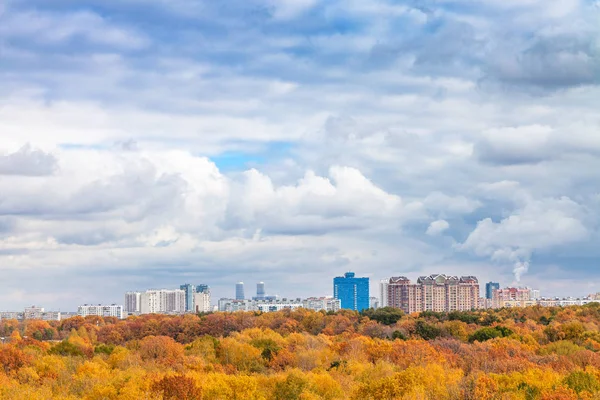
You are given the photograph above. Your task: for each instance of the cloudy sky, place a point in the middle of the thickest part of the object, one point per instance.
(153, 143)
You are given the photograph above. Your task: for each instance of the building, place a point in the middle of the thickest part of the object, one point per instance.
(276, 305)
(510, 297)
(232, 305)
(535, 294)
(373, 303)
(260, 291)
(383, 289)
(133, 302)
(353, 292)
(34, 312)
(239, 291)
(101, 311)
(190, 291)
(202, 302)
(312, 303)
(438, 292)
(489, 289)
(202, 288)
(163, 301)
(322, 304)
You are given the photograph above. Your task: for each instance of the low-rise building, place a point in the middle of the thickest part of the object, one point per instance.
(322, 304)
(100, 310)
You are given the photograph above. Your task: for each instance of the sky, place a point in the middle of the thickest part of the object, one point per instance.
(147, 144)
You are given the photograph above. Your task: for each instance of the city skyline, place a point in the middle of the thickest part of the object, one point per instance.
(229, 291)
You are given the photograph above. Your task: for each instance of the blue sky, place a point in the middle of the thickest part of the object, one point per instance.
(154, 143)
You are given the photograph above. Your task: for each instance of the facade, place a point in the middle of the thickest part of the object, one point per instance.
(438, 292)
(312, 303)
(202, 302)
(32, 313)
(383, 289)
(373, 303)
(202, 288)
(535, 294)
(133, 302)
(232, 305)
(322, 304)
(509, 296)
(277, 305)
(489, 289)
(353, 292)
(190, 291)
(163, 301)
(260, 291)
(239, 291)
(101, 311)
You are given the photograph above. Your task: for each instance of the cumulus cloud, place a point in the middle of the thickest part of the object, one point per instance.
(28, 161)
(538, 226)
(437, 227)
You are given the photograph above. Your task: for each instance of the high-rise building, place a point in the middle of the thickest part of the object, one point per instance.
(163, 301)
(260, 291)
(133, 302)
(239, 291)
(383, 289)
(374, 303)
(351, 291)
(489, 289)
(202, 302)
(436, 292)
(189, 290)
(101, 311)
(202, 288)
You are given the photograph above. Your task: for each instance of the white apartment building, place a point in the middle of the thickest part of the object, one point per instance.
(101, 311)
(133, 302)
(202, 302)
(232, 305)
(162, 301)
(277, 305)
(383, 292)
(322, 303)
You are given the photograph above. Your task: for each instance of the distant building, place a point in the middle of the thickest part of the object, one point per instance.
(535, 294)
(383, 292)
(133, 302)
(232, 305)
(489, 289)
(202, 288)
(277, 305)
(373, 303)
(511, 297)
(34, 312)
(239, 291)
(438, 292)
(260, 291)
(353, 292)
(322, 304)
(101, 311)
(312, 303)
(190, 291)
(163, 301)
(202, 302)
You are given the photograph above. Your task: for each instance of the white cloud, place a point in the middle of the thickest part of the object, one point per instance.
(437, 227)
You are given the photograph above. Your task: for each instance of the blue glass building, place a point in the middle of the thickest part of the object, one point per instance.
(189, 290)
(351, 291)
(203, 288)
(489, 289)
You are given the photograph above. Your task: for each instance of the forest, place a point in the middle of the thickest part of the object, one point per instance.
(519, 353)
